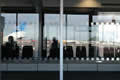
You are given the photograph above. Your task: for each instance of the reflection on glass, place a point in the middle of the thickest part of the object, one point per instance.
(75, 34)
(108, 30)
(25, 34)
(7, 49)
(78, 35)
(10, 26)
(51, 32)
(29, 29)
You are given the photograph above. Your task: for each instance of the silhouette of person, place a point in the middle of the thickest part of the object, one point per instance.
(54, 51)
(11, 43)
(12, 47)
(55, 43)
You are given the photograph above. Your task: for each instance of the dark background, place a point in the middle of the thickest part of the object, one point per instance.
(55, 75)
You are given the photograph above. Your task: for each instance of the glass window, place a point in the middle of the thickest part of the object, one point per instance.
(20, 36)
(108, 32)
(78, 33)
(9, 48)
(10, 26)
(51, 31)
(28, 27)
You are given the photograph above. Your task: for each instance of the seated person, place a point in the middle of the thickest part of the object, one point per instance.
(12, 48)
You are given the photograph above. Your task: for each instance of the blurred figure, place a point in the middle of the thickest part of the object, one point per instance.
(11, 43)
(54, 50)
(54, 43)
(12, 48)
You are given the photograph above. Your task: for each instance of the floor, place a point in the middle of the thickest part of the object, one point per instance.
(55, 75)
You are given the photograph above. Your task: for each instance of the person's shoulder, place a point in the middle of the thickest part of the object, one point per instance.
(6, 43)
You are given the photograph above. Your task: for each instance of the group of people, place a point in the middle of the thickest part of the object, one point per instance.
(11, 49)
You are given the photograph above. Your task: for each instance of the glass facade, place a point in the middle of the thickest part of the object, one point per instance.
(80, 39)
(31, 39)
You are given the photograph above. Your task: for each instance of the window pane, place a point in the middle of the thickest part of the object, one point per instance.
(10, 26)
(77, 34)
(108, 32)
(29, 28)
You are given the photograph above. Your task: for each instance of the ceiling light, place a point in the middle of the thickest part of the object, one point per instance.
(89, 3)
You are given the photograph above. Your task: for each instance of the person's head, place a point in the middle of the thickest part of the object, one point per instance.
(10, 39)
(54, 39)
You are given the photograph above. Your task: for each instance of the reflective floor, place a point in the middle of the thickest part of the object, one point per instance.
(55, 75)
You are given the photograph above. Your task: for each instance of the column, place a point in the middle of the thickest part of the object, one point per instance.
(39, 9)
